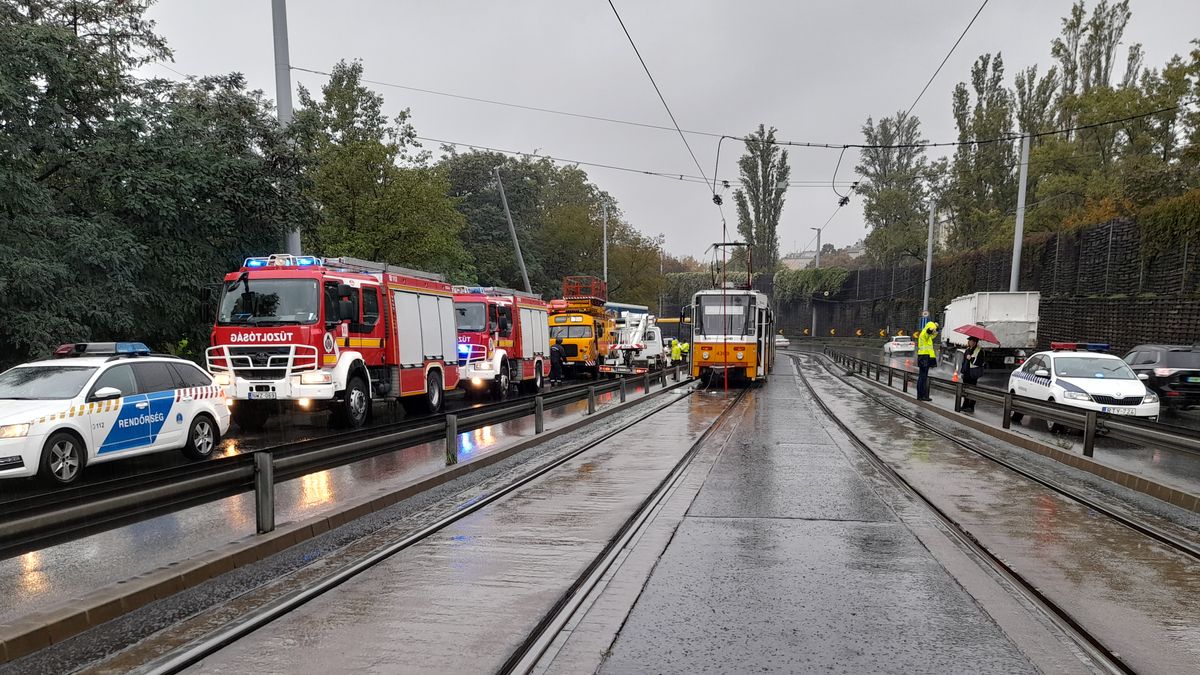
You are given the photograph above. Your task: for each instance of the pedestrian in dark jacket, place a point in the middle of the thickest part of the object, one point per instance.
(971, 369)
(557, 356)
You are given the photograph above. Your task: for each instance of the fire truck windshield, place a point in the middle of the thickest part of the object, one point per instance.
(259, 302)
(470, 316)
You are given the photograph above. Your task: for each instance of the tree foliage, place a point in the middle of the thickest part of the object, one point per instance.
(893, 186)
(764, 174)
(800, 285)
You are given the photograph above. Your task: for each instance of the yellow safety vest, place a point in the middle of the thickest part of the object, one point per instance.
(676, 352)
(925, 344)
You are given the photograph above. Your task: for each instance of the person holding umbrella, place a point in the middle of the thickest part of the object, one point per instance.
(972, 361)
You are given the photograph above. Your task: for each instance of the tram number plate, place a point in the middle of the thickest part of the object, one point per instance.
(261, 395)
(1118, 411)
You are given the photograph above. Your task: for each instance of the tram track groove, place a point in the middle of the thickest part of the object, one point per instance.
(195, 651)
(1100, 655)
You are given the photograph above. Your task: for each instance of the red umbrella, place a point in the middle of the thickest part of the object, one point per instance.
(976, 331)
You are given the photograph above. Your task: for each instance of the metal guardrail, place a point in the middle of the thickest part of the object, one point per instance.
(1092, 423)
(267, 468)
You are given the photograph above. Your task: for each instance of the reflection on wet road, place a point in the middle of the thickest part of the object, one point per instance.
(1139, 597)
(465, 597)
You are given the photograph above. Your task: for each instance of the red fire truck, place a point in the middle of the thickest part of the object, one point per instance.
(503, 340)
(332, 333)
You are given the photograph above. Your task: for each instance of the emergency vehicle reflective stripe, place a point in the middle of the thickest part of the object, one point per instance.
(79, 411)
(1045, 381)
(361, 342)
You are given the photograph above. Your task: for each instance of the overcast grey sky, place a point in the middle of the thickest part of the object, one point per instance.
(815, 70)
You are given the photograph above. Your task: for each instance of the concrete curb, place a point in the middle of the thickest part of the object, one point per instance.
(43, 629)
(1175, 497)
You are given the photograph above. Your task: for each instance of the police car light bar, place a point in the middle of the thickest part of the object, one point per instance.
(1079, 346)
(284, 260)
(100, 349)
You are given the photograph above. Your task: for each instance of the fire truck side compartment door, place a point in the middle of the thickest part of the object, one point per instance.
(408, 327)
(527, 332)
(432, 345)
(449, 330)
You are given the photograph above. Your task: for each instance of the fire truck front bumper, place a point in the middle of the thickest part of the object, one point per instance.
(309, 386)
(478, 373)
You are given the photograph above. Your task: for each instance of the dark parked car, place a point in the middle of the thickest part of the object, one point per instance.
(1172, 371)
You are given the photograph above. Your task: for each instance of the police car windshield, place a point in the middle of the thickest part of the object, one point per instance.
(44, 382)
(258, 302)
(1092, 368)
(470, 316)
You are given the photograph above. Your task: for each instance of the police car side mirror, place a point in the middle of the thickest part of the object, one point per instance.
(105, 394)
(1041, 372)
(1143, 377)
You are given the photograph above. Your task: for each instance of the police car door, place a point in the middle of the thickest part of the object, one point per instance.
(115, 423)
(1036, 386)
(166, 420)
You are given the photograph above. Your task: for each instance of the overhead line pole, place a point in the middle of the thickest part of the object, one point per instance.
(604, 214)
(1019, 230)
(929, 257)
(512, 229)
(283, 89)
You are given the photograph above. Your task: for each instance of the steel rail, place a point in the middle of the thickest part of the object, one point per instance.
(527, 657)
(192, 653)
(132, 499)
(1100, 655)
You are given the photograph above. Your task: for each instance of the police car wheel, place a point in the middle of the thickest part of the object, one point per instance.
(62, 458)
(202, 438)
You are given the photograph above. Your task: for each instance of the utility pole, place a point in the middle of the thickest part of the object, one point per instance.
(662, 277)
(816, 265)
(512, 229)
(929, 257)
(604, 214)
(1019, 230)
(283, 88)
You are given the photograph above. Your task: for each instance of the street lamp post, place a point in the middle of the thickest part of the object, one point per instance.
(816, 265)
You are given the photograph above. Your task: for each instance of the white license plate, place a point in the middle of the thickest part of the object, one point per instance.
(261, 395)
(1194, 380)
(1118, 411)
(1010, 359)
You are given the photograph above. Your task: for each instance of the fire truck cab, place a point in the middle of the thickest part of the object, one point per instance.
(503, 340)
(333, 334)
(587, 329)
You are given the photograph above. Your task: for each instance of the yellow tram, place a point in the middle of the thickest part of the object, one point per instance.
(733, 330)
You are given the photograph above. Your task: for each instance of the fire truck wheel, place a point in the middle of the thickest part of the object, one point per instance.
(535, 385)
(433, 392)
(355, 405)
(203, 437)
(250, 416)
(502, 383)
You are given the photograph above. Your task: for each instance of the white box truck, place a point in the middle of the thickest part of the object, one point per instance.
(1012, 317)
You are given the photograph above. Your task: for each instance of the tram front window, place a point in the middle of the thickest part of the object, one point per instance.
(726, 315)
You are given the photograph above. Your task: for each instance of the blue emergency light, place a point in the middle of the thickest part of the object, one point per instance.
(284, 260)
(1079, 346)
(464, 349)
(255, 262)
(101, 349)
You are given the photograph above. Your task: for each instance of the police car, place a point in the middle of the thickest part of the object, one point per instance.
(1081, 375)
(96, 402)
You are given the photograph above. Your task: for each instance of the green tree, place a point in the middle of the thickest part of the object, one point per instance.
(893, 171)
(375, 197)
(764, 173)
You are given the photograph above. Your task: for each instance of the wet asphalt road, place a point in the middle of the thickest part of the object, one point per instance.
(43, 579)
(463, 599)
(285, 428)
(1139, 597)
(788, 561)
(1188, 419)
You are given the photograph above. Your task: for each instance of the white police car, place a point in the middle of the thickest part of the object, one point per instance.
(1082, 376)
(98, 401)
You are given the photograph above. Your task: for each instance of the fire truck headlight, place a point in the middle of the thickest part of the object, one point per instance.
(316, 377)
(475, 381)
(223, 379)
(485, 365)
(14, 431)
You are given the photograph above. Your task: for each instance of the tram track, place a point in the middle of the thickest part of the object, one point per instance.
(234, 474)
(193, 652)
(1102, 657)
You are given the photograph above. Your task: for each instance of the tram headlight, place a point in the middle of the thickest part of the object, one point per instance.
(705, 356)
(740, 356)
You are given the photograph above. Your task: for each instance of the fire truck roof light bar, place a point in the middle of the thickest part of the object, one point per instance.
(495, 291)
(284, 260)
(1079, 346)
